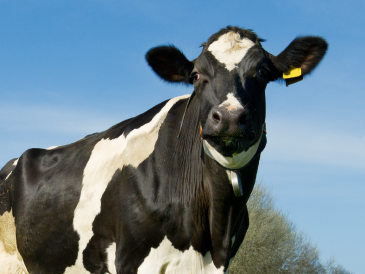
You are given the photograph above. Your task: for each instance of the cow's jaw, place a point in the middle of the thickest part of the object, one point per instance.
(237, 161)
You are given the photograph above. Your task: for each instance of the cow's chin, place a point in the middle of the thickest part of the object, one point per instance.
(231, 153)
(227, 146)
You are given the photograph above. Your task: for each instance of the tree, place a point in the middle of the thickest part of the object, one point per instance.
(274, 245)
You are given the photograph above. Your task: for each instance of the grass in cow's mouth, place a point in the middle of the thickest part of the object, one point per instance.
(229, 144)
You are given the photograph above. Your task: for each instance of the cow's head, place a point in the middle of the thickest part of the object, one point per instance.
(230, 78)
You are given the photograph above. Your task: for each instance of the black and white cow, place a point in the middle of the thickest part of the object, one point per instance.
(137, 199)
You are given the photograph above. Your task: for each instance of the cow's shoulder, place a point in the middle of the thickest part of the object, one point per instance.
(145, 118)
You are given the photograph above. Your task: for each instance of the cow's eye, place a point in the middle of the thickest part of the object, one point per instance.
(195, 76)
(263, 72)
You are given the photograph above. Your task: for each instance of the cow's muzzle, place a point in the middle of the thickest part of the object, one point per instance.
(230, 129)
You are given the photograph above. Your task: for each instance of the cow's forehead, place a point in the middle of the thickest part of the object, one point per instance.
(230, 48)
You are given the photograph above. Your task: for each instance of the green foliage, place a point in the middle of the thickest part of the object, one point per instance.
(274, 245)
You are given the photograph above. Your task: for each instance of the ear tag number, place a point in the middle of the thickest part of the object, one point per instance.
(293, 75)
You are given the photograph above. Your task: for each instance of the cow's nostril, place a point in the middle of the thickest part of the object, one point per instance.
(243, 118)
(216, 116)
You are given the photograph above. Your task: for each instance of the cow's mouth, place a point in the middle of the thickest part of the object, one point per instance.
(227, 145)
(231, 152)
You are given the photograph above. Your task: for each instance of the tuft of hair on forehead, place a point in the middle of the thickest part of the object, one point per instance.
(230, 45)
(243, 33)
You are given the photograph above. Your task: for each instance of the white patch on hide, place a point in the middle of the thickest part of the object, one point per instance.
(230, 49)
(110, 251)
(106, 158)
(10, 259)
(8, 175)
(168, 260)
(15, 162)
(52, 147)
(231, 103)
(237, 160)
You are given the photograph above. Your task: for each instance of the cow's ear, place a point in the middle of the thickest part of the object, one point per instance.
(304, 53)
(170, 64)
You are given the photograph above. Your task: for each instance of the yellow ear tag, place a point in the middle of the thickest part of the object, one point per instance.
(292, 72)
(293, 75)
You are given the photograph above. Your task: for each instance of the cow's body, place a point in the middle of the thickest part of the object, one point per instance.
(134, 198)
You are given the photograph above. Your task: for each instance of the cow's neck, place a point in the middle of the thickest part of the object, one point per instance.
(209, 191)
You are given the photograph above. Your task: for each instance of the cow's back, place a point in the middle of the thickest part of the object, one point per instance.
(39, 193)
(39, 197)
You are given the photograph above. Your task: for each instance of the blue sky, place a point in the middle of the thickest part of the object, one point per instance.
(70, 68)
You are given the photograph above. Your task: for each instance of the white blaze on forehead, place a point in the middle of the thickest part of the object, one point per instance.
(106, 158)
(230, 49)
(231, 103)
(167, 259)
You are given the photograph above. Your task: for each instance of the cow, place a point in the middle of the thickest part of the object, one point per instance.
(165, 191)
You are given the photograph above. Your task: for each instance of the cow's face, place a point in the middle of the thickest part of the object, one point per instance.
(229, 78)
